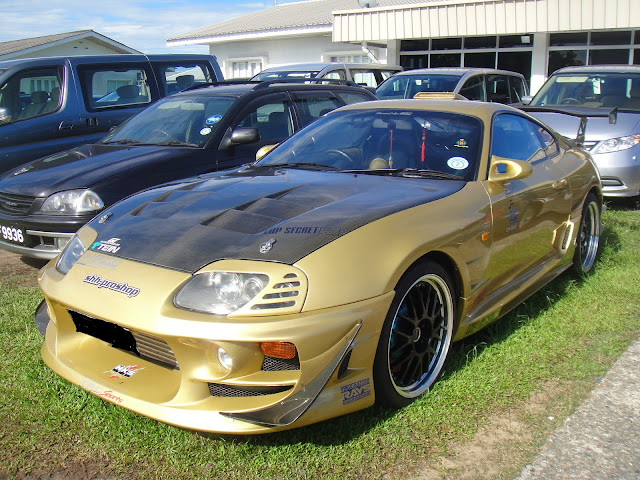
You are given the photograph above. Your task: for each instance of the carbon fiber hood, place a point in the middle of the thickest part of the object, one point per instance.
(187, 225)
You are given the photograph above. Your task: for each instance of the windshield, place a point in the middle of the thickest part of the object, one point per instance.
(289, 75)
(591, 90)
(182, 120)
(385, 141)
(406, 86)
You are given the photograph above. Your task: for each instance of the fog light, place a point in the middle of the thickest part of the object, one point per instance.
(283, 350)
(224, 359)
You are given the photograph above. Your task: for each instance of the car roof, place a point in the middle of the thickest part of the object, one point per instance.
(109, 58)
(460, 71)
(599, 68)
(322, 65)
(238, 88)
(484, 110)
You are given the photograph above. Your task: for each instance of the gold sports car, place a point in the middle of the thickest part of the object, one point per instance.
(332, 273)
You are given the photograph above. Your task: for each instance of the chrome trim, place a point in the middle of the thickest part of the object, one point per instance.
(290, 409)
(42, 252)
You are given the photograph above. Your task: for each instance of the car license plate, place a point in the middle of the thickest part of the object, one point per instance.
(12, 234)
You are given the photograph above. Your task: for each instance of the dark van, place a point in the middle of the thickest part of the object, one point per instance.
(51, 104)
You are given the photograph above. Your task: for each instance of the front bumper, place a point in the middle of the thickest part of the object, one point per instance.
(333, 375)
(619, 172)
(44, 237)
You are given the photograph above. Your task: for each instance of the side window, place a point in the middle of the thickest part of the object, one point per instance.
(498, 88)
(32, 93)
(335, 75)
(517, 89)
(177, 77)
(393, 88)
(273, 120)
(110, 87)
(548, 141)
(473, 88)
(310, 109)
(364, 77)
(516, 137)
(353, 97)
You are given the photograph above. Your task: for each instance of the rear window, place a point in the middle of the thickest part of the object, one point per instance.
(406, 86)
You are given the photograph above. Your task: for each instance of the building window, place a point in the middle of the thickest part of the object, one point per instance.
(507, 52)
(592, 48)
(242, 68)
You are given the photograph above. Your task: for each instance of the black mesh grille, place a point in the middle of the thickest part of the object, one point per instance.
(15, 204)
(220, 390)
(271, 364)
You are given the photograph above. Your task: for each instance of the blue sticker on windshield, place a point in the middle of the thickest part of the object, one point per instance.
(213, 119)
(205, 131)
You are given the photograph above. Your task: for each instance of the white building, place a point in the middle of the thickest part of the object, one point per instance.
(534, 37)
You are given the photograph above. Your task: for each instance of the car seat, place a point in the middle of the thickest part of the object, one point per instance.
(38, 101)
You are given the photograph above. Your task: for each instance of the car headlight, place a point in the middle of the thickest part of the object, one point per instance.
(70, 255)
(617, 144)
(220, 293)
(72, 202)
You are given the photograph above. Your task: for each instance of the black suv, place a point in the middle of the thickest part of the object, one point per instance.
(200, 130)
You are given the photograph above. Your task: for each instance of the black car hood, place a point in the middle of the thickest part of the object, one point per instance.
(231, 215)
(83, 167)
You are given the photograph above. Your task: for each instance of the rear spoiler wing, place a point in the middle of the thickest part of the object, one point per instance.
(612, 115)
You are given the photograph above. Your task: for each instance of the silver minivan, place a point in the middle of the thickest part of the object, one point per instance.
(609, 97)
(482, 84)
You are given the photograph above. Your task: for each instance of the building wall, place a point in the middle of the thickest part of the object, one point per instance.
(273, 52)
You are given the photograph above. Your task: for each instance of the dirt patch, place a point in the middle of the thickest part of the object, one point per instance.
(507, 441)
(20, 270)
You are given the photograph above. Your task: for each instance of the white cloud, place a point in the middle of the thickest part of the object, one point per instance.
(143, 26)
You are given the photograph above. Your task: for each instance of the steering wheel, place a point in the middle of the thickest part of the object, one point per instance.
(342, 154)
(570, 101)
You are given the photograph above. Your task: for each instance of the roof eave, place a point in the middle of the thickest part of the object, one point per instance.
(244, 36)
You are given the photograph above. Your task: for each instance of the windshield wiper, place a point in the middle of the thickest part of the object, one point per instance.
(406, 172)
(126, 141)
(178, 143)
(303, 165)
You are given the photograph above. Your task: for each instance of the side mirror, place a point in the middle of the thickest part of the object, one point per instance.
(239, 136)
(264, 150)
(5, 115)
(245, 135)
(526, 99)
(503, 170)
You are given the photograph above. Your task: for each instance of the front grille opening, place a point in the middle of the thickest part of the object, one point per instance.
(144, 346)
(220, 390)
(272, 364)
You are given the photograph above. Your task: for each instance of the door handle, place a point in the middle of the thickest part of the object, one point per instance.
(562, 183)
(64, 125)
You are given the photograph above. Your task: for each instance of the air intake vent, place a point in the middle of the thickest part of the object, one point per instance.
(220, 390)
(282, 294)
(155, 349)
(272, 364)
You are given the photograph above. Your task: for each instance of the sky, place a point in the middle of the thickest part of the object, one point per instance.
(142, 25)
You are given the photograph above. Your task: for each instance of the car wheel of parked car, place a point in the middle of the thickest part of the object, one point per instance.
(588, 237)
(416, 335)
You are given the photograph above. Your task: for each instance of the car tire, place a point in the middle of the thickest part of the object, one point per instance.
(588, 236)
(416, 335)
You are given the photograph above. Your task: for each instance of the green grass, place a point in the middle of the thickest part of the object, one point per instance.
(570, 332)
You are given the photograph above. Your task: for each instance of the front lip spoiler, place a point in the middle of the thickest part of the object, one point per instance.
(289, 410)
